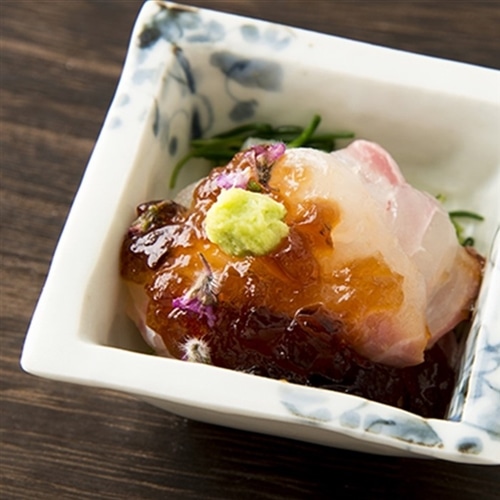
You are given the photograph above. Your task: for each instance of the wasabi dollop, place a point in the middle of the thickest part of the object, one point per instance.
(246, 223)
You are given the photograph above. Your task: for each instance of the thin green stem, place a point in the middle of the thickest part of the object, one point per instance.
(466, 214)
(306, 134)
(221, 148)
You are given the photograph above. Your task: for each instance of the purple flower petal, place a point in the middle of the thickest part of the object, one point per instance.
(196, 306)
(267, 154)
(201, 297)
(238, 179)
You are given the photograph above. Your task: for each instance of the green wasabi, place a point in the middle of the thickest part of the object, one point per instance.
(245, 223)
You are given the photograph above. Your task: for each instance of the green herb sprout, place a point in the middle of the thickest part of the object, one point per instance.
(220, 148)
(464, 214)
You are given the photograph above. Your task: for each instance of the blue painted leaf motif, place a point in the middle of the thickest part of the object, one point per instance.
(115, 122)
(186, 69)
(175, 24)
(310, 406)
(187, 20)
(253, 73)
(243, 110)
(123, 100)
(351, 419)
(250, 33)
(171, 30)
(211, 32)
(411, 430)
(487, 376)
(148, 36)
(316, 415)
(173, 145)
(274, 37)
(483, 397)
(141, 76)
(196, 128)
(471, 446)
(202, 116)
(170, 24)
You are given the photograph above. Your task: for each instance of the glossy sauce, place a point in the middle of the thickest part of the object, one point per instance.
(277, 316)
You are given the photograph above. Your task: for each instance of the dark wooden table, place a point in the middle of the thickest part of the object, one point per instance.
(60, 61)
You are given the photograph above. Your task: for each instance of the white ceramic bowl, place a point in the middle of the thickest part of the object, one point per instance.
(191, 71)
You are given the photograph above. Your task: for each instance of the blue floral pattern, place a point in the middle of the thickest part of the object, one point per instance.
(199, 66)
(183, 28)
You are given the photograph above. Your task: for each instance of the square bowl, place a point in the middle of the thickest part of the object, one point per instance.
(191, 72)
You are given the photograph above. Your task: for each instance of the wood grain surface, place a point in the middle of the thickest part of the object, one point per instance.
(59, 65)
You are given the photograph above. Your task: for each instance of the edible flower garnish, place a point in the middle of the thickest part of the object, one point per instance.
(260, 159)
(264, 155)
(196, 350)
(148, 213)
(201, 298)
(234, 179)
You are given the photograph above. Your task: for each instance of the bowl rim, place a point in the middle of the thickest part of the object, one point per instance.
(87, 363)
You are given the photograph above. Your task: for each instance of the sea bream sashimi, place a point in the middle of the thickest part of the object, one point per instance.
(284, 259)
(404, 233)
(423, 228)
